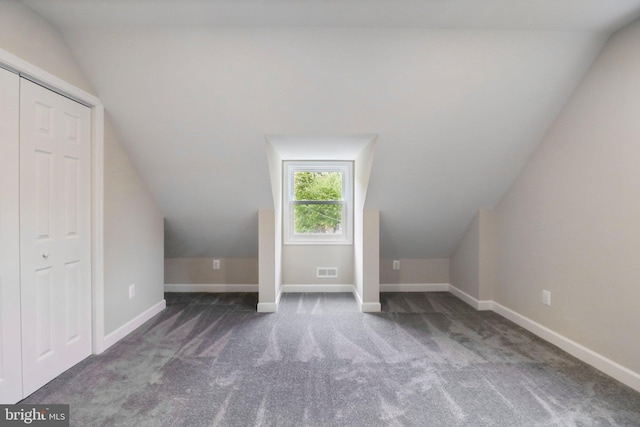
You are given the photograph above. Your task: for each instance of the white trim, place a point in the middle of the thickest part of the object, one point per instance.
(289, 168)
(270, 307)
(358, 298)
(366, 307)
(97, 126)
(46, 79)
(214, 288)
(371, 307)
(133, 324)
(485, 305)
(480, 305)
(598, 361)
(267, 307)
(414, 287)
(316, 288)
(56, 84)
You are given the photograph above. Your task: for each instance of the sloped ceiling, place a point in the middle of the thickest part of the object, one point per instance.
(459, 93)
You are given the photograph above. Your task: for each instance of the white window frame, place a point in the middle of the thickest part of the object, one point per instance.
(290, 167)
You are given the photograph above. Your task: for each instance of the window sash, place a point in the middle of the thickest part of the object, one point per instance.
(345, 168)
(318, 202)
(342, 223)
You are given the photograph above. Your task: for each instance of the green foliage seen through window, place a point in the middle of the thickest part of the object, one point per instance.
(318, 217)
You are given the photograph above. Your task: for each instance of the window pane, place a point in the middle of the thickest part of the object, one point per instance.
(317, 219)
(317, 185)
(317, 202)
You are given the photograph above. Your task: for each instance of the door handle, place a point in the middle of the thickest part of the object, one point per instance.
(45, 254)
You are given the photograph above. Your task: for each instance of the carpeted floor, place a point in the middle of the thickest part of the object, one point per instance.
(427, 360)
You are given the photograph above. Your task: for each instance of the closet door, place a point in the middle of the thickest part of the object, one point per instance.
(10, 358)
(55, 233)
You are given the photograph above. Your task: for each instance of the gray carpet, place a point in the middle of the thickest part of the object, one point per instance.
(427, 360)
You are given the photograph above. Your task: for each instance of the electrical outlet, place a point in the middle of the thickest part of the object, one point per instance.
(396, 264)
(132, 290)
(546, 297)
(216, 264)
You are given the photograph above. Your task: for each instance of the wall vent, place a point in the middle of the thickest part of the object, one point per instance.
(327, 273)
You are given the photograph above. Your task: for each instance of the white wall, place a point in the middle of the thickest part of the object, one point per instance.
(465, 261)
(268, 286)
(487, 254)
(570, 222)
(233, 271)
(300, 262)
(25, 34)
(472, 267)
(274, 162)
(414, 271)
(362, 268)
(370, 261)
(133, 240)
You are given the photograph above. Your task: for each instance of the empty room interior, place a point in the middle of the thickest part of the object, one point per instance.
(321, 213)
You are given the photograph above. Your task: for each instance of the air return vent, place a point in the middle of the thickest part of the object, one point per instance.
(327, 273)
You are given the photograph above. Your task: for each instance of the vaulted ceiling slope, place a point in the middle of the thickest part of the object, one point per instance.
(458, 92)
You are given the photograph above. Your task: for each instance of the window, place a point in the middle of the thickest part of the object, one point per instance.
(317, 202)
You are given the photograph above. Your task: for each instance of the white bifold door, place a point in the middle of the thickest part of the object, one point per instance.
(10, 346)
(55, 234)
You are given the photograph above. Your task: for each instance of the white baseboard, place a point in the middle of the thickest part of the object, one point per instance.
(480, 305)
(371, 307)
(132, 325)
(366, 307)
(358, 298)
(316, 288)
(415, 287)
(209, 288)
(267, 307)
(270, 307)
(598, 361)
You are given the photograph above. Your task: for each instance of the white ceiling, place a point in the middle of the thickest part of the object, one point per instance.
(325, 147)
(562, 15)
(458, 102)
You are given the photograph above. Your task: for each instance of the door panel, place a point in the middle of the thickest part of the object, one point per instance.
(73, 295)
(72, 190)
(55, 240)
(10, 347)
(43, 194)
(44, 312)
